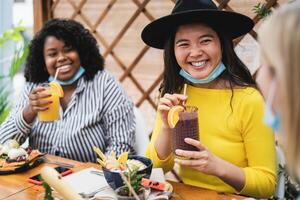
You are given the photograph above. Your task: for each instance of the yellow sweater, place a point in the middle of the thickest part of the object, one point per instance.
(237, 135)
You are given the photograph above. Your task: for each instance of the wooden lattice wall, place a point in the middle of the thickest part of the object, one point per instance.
(117, 25)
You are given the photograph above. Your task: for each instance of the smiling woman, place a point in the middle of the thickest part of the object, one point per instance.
(197, 49)
(94, 110)
(60, 56)
(236, 151)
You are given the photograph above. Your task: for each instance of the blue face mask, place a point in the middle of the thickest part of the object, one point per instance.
(271, 119)
(212, 76)
(78, 74)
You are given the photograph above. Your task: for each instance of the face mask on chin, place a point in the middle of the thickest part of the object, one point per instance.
(220, 68)
(78, 74)
(271, 118)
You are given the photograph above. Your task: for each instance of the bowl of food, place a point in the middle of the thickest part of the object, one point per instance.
(113, 166)
(113, 177)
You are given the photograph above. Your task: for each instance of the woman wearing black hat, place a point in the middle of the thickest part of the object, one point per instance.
(236, 149)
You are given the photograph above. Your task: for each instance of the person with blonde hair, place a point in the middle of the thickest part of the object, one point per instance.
(279, 79)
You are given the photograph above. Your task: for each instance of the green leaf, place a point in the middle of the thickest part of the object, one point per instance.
(19, 58)
(4, 104)
(261, 10)
(17, 37)
(134, 177)
(20, 28)
(48, 191)
(13, 34)
(4, 114)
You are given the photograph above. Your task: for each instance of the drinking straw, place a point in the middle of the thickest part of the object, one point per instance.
(56, 74)
(184, 93)
(184, 89)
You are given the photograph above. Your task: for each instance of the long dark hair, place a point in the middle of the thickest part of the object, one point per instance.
(73, 34)
(236, 71)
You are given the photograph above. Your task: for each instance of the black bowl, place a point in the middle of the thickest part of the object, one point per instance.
(115, 180)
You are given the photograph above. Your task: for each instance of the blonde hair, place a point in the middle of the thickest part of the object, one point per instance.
(279, 37)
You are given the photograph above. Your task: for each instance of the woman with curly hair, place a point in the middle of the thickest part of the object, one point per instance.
(95, 111)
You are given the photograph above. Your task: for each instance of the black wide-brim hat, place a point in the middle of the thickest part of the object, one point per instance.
(231, 24)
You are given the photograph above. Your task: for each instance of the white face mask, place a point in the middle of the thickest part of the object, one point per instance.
(220, 68)
(271, 118)
(78, 74)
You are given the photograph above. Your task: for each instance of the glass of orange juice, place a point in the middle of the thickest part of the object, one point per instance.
(52, 113)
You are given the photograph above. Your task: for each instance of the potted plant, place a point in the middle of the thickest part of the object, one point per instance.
(18, 58)
(132, 189)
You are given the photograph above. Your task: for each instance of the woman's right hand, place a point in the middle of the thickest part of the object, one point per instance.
(163, 146)
(165, 104)
(36, 103)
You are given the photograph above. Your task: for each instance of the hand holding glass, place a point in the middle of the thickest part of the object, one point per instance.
(52, 113)
(186, 127)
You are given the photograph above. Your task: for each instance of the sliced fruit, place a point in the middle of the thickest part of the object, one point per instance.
(123, 158)
(173, 115)
(56, 86)
(153, 184)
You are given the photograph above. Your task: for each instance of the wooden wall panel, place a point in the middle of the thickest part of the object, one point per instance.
(117, 25)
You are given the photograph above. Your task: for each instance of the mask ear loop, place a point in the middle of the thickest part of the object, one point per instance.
(271, 93)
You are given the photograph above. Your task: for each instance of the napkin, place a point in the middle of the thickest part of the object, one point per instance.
(86, 182)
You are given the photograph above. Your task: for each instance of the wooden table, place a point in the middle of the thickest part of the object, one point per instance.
(16, 186)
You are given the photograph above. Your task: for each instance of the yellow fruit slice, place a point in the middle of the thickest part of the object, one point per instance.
(173, 115)
(55, 86)
(123, 158)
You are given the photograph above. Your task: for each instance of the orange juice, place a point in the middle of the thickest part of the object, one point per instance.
(52, 113)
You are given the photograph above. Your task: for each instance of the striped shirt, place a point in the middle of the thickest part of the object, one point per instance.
(99, 114)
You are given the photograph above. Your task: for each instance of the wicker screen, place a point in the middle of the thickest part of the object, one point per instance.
(117, 25)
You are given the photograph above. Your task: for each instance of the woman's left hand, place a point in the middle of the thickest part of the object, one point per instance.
(202, 160)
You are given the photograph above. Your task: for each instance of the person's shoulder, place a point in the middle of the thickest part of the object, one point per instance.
(251, 91)
(101, 74)
(107, 81)
(104, 75)
(251, 95)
